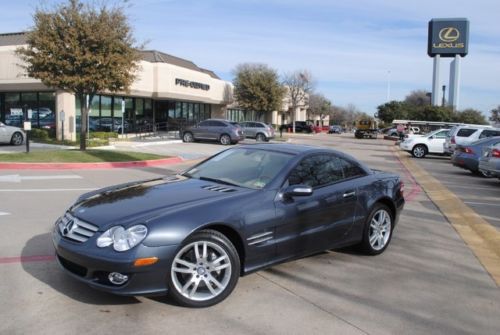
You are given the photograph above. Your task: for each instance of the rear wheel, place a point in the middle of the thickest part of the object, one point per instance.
(225, 139)
(205, 270)
(17, 138)
(419, 151)
(378, 230)
(187, 137)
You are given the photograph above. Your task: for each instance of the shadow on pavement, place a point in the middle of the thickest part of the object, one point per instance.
(51, 274)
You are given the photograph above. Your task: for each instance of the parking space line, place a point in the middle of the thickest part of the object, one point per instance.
(46, 189)
(27, 259)
(481, 237)
(482, 203)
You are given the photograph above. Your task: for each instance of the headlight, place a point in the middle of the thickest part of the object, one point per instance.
(122, 239)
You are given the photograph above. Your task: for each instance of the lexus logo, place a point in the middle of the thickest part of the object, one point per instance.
(449, 34)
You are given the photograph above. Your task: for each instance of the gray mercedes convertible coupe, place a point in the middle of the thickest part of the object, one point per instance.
(194, 234)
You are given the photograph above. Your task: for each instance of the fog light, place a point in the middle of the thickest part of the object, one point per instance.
(117, 278)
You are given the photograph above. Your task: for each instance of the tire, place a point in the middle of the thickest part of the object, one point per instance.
(261, 138)
(225, 139)
(17, 138)
(377, 235)
(419, 151)
(187, 137)
(204, 278)
(484, 174)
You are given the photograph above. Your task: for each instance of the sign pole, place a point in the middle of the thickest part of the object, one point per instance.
(454, 90)
(435, 81)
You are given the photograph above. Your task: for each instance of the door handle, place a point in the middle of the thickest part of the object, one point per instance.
(349, 194)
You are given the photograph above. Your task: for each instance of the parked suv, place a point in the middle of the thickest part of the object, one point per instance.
(258, 130)
(300, 127)
(223, 131)
(420, 146)
(467, 134)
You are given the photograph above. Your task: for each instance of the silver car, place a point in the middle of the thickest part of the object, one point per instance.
(490, 160)
(258, 130)
(223, 131)
(12, 135)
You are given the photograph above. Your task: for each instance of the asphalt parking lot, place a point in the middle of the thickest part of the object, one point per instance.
(427, 282)
(481, 194)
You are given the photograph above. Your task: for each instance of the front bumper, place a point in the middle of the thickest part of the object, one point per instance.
(406, 146)
(92, 265)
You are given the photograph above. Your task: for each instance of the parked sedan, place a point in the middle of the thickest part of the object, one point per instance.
(258, 130)
(12, 135)
(223, 131)
(490, 161)
(194, 234)
(467, 156)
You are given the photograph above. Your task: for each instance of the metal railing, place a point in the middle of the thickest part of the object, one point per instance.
(162, 130)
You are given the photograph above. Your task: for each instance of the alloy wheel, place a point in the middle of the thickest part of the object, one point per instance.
(419, 151)
(380, 229)
(201, 271)
(225, 139)
(188, 137)
(17, 139)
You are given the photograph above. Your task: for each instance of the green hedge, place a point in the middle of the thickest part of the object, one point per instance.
(103, 135)
(39, 134)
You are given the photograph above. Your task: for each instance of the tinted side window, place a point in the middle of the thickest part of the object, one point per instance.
(441, 134)
(489, 133)
(466, 132)
(259, 125)
(317, 171)
(204, 124)
(218, 124)
(351, 170)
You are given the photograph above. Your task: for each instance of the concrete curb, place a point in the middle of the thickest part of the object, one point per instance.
(89, 166)
(481, 237)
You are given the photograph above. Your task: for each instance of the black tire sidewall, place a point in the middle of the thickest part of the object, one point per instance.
(184, 137)
(365, 244)
(222, 136)
(14, 135)
(214, 237)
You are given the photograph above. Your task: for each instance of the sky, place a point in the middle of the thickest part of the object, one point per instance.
(354, 49)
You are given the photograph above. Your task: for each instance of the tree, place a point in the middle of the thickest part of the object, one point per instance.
(495, 117)
(257, 88)
(299, 85)
(432, 113)
(83, 50)
(393, 110)
(319, 105)
(471, 116)
(418, 98)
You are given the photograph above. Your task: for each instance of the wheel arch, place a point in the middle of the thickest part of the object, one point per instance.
(421, 144)
(388, 202)
(233, 236)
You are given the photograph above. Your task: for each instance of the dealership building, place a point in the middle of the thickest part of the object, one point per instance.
(168, 92)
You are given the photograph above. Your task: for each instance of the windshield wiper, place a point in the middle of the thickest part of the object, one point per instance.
(220, 181)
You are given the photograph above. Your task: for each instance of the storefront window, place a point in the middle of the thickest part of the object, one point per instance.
(197, 112)
(13, 109)
(178, 109)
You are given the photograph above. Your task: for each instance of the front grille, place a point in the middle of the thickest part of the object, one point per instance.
(76, 230)
(72, 267)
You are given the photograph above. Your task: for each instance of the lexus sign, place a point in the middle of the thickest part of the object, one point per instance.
(448, 37)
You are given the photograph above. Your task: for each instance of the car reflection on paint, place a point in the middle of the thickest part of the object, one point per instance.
(194, 234)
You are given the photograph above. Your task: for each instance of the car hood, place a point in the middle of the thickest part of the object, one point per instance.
(142, 201)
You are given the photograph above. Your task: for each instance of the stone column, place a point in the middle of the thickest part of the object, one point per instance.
(65, 102)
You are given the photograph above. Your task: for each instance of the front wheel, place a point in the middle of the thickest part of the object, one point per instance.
(419, 151)
(378, 230)
(225, 139)
(205, 270)
(17, 139)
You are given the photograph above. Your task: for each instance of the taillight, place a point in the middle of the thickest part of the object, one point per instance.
(468, 150)
(495, 153)
(402, 187)
(453, 140)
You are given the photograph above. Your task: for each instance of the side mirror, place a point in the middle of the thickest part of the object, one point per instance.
(298, 191)
(431, 138)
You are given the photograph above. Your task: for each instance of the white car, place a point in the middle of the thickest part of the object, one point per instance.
(420, 146)
(12, 135)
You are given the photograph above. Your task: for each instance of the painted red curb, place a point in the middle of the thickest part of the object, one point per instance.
(89, 166)
(27, 259)
(415, 187)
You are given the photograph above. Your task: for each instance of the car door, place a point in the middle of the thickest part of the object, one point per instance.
(316, 222)
(251, 130)
(217, 129)
(3, 133)
(436, 142)
(201, 130)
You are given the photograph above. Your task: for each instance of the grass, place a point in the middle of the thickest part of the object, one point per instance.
(77, 156)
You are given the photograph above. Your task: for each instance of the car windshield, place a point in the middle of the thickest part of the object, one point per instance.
(244, 167)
